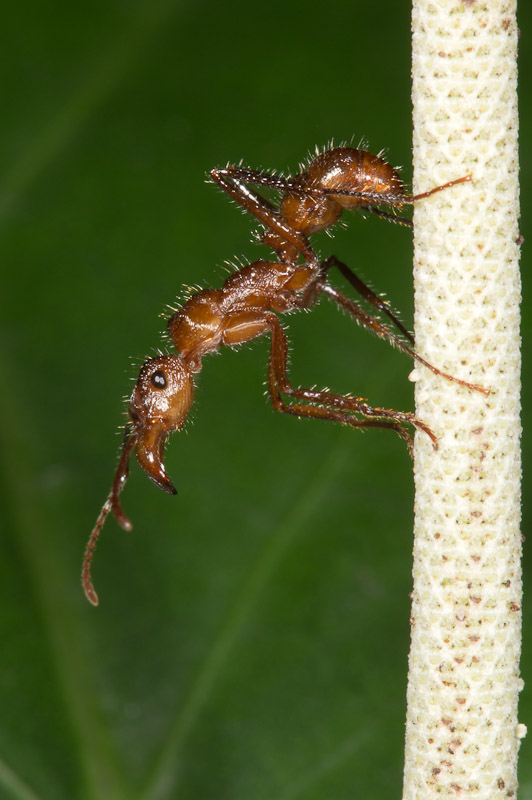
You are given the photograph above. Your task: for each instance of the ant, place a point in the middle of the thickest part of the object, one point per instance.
(246, 307)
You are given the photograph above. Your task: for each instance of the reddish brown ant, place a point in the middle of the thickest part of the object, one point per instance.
(247, 305)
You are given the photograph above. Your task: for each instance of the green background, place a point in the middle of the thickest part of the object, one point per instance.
(252, 635)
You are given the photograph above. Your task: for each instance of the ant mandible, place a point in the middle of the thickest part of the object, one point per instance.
(247, 305)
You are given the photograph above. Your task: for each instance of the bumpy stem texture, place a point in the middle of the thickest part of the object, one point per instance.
(462, 733)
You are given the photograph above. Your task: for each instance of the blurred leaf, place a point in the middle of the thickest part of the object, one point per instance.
(252, 636)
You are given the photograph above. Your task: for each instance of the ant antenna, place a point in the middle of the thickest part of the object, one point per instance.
(111, 504)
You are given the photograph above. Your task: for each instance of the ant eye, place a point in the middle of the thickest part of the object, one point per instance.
(158, 379)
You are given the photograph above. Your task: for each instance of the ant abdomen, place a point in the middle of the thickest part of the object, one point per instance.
(370, 178)
(362, 178)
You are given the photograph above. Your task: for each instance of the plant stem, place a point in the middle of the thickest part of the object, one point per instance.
(462, 734)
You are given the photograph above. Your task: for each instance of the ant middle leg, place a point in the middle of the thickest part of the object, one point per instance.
(365, 292)
(375, 325)
(329, 406)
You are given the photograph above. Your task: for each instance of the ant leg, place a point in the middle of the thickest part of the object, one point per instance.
(394, 199)
(241, 175)
(245, 175)
(365, 292)
(296, 186)
(230, 181)
(407, 223)
(375, 325)
(329, 406)
(233, 180)
(414, 197)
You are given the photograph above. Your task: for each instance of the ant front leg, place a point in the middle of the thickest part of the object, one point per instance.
(329, 406)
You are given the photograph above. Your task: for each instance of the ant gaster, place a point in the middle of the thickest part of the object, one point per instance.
(247, 305)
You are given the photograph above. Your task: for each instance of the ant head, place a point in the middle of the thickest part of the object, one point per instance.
(159, 404)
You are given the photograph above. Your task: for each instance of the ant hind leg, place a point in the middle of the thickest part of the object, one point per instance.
(233, 181)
